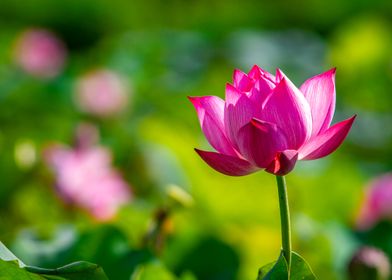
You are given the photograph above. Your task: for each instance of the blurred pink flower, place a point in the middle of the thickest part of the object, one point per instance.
(85, 177)
(102, 92)
(266, 122)
(377, 204)
(40, 53)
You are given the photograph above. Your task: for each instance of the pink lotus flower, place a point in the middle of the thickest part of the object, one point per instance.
(102, 93)
(266, 122)
(85, 177)
(40, 53)
(377, 204)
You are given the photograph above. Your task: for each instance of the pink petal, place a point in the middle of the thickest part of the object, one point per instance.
(319, 91)
(287, 107)
(237, 115)
(260, 91)
(259, 142)
(228, 165)
(242, 81)
(279, 76)
(264, 85)
(261, 85)
(256, 73)
(327, 142)
(210, 110)
(232, 94)
(283, 162)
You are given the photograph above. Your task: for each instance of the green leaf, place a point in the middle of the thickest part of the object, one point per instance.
(7, 255)
(265, 269)
(13, 268)
(105, 245)
(300, 269)
(74, 271)
(274, 271)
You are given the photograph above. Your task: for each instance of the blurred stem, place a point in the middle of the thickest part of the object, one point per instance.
(284, 218)
(156, 234)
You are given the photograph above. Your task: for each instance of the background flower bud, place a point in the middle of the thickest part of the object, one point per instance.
(102, 92)
(377, 203)
(40, 53)
(369, 263)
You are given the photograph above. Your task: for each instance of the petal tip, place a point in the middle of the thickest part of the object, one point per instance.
(279, 75)
(331, 72)
(254, 121)
(230, 86)
(351, 120)
(236, 72)
(283, 83)
(258, 125)
(283, 163)
(328, 74)
(262, 125)
(194, 99)
(327, 142)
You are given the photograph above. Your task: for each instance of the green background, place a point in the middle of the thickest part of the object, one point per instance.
(169, 50)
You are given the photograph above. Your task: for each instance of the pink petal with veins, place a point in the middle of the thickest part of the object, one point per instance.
(259, 142)
(228, 165)
(287, 107)
(319, 91)
(327, 142)
(241, 81)
(210, 110)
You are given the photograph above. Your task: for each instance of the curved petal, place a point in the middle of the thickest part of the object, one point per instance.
(279, 76)
(232, 94)
(256, 73)
(210, 110)
(327, 142)
(259, 141)
(283, 162)
(319, 91)
(242, 81)
(287, 107)
(228, 165)
(237, 113)
(260, 91)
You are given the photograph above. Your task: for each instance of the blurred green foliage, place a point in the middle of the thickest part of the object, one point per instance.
(168, 50)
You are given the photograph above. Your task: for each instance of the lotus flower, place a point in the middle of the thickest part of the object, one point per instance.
(40, 53)
(377, 204)
(85, 176)
(266, 122)
(102, 92)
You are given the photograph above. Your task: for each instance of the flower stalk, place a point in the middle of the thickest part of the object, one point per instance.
(284, 218)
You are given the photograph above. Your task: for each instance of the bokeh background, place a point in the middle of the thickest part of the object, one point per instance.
(93, 81)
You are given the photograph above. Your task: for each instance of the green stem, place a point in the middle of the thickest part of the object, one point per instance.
(284, 218)
(40, 270)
